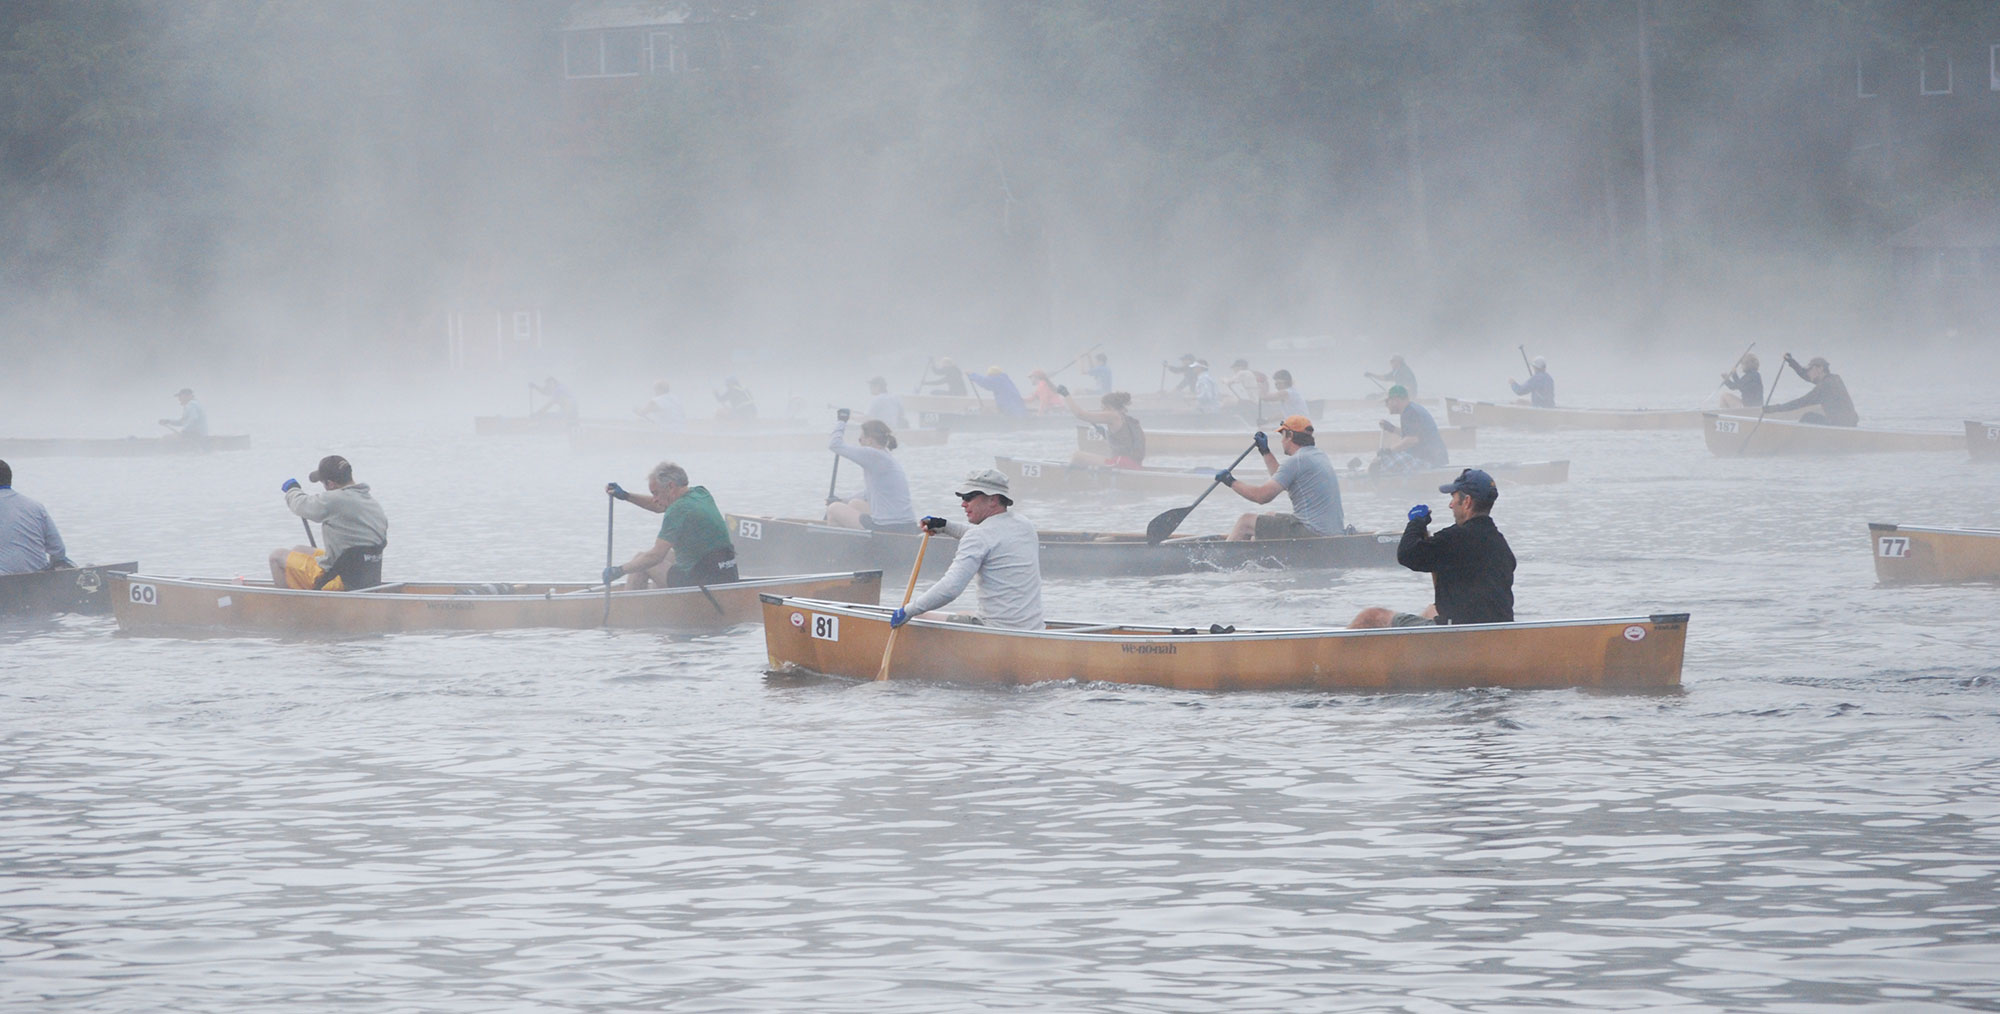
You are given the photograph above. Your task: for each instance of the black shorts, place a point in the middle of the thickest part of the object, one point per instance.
(718, 567)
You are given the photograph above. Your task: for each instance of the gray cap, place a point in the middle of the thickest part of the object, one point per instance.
(984, 480)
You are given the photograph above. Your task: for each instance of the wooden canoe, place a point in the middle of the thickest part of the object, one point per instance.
(1640, 653)
(1732, 436)
(120, 447)
(1058, 478)
(773, 544)
(653, 440)
(1910, 554)
(69, 590)
(1528, 417)
(1168, 443)
(177, 606)
(1983, 440)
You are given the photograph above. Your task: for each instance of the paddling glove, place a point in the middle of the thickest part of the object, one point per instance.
(290, 484)
(898, 618)
(613, 573)
(1062, 390)
(842, 415)
(616, 490)
(1263, 442)
(1225, 478)
(1421, 512)
(935, 524)
(1388, 427)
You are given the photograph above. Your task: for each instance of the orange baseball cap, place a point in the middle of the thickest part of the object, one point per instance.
(1295, 424)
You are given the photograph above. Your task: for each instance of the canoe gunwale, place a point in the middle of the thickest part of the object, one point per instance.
(371, 594)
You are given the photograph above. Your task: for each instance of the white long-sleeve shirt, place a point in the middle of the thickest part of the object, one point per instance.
(1006, 555)
(348, 517)
(885, 487)
(28, 539)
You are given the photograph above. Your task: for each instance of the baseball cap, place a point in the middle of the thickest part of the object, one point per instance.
(1396, 391)
(1540, 363)
(188, 391)
(1474, 483)
(983, 480)
(1295, 424)
(334, 467)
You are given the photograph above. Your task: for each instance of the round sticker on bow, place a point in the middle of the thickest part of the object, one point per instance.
(1635, 633)
(798, 619)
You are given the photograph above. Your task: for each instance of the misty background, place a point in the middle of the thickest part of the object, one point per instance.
(204, 189)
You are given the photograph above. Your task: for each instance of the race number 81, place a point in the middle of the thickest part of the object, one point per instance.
(826, 628)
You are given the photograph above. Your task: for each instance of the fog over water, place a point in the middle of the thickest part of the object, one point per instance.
(293, 208)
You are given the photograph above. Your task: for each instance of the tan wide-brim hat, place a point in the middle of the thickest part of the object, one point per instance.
(984, 480)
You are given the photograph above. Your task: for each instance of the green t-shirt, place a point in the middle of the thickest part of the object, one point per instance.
(693, 527)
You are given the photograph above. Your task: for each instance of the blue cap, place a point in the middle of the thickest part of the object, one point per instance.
(1473, 483)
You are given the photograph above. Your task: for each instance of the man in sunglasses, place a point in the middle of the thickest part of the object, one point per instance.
(994, 544)
(1470, 563)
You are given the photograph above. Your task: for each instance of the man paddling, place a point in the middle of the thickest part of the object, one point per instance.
(1413, 442)
(995, 545)
(1470, 563)
(193, 423)
(1540, 387)
(1285, 399)
(1308, 477)
(1006, 397)
(1829, 392)
(560, 401)
(28, 538)
(885, 406)
(1399, 373)
(944, 377)
(352, 525)
(663, 409)
(1746, 382)
(693, 547)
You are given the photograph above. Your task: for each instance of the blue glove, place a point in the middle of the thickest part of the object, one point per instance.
(613, 573)
(616, 490)
(898, 618)
(1263, 442)
(1225, 478)
(1421, 512)
(842, 415)
(1062, 390)
(290, 484)
(935, 524)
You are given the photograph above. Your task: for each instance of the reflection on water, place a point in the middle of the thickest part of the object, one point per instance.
(618, 821)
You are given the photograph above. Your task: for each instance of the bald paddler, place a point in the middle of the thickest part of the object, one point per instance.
(352, 525)
(1540, 387)
(1470, 563)
(693, 547)
(28, 538)
(995, 545)
(1308, 477)
(1829, 393)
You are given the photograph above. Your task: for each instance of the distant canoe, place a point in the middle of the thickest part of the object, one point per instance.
(173, 606)
(767, 543)
(1983, 440)
(653, 440)
(70, 590)
(1640, 653)
(1166, 443)
(1909, 554)
(1732, 436)
(1528, 417)
(1056, 478)
(118, 447)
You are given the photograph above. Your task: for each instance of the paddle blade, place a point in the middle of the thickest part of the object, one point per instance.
(1158, 530)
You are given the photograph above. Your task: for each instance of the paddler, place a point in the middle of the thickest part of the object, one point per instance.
(1746, 382)
(1099, 370)
(1470, 563)
(1307, 477)
(1042, 396)
(193, 423)
(1285, 398)
(884, 503)
(1540, 387)
(737, 404)
(885, 406)
(1399, 373)
(29, 541)
(1125, 438)
(663, 409)
(995, 545)
(560, 401)
(352, 525)
(693, 547)
(1411, 444)
(1829, 392)
(1185, 369)
(1006, 397)
(1245, 385)
(945, 375)
(1207, 395)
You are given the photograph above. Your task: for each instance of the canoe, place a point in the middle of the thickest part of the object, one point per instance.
(1057, 478)
(773, 544)
(1528, 417)
(1983, 440)
(118, 447)
(182, 606)
(653, 440)
(1167, 443)
(1227, 419)
(520, 425)
(1909, 554)
(1638, 653)
(1732, 436)
(71, 590)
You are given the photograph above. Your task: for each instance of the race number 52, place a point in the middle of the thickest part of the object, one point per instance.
(1893, 546)
(748, 529)
(826, 628)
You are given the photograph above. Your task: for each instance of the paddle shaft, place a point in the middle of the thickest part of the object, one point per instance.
(1733, 367)
(889, 648)
(610, 519)
(1164, 524)
(1761, 409)
(1073, 362)
(1232, 467)
(1524, 359)
(309, 533)
(834, 479)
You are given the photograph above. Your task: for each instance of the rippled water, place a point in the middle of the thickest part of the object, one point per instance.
(583, 820)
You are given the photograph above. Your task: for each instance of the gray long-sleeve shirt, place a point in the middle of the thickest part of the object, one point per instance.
(348, 517)
(887, 489)
(1006, 555)
(28, 539)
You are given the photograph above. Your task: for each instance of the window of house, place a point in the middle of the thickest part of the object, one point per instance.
(582, 55)
(622, 53)
(602, 54)
(1993, 68)
(1933, 72)
(665, 56)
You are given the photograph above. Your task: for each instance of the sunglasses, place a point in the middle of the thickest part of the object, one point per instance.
(969, 497)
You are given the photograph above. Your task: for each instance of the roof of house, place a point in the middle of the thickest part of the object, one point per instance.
(588, 15)
(1973, 223)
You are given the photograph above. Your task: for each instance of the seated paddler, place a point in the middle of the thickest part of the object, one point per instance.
(693, 547)
(1308, 478)
(1470, 564)
(996, 546)
(352, 525)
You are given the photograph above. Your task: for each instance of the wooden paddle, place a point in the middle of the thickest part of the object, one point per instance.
(1732, 369)
(309, 533)
(610, 518)
(889, 649)
(1776, 376)
(1164, 525)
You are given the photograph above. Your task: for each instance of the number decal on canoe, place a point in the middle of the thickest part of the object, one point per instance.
(145, 594)
(1461, 408)
(1725, 426)
(1894, 547)
(826, 628)
(748, 529)
(1993, 432)
(927, 419)
(1030, 470)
